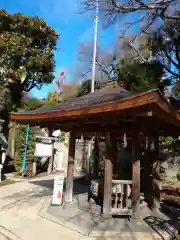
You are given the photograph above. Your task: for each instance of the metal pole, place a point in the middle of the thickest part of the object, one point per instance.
(95, 47)
(25, 150)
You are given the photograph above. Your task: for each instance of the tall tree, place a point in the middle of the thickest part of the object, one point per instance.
(27, 47)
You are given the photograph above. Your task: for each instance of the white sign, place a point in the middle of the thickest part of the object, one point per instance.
(43, 150)
(58, 188)
(1, 166)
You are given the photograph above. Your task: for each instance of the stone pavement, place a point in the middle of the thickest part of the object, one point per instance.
(78, 217)
(3, 237)
(26, 214)
(20, 204)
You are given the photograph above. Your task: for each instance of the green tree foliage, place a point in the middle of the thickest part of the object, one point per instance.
(85, 87)
(134, 75)
(20, 144)
(30, 104)
(138, 76)
(166, 142)
(27, 47)
(27, 104)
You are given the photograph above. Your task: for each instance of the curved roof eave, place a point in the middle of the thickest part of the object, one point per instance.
(134, 101)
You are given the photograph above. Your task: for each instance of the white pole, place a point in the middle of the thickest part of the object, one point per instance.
(90, 143)
(95, 47)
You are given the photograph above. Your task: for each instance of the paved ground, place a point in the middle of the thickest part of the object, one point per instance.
(85, 218)
(22, 215)
(20, 204)
(2, 237)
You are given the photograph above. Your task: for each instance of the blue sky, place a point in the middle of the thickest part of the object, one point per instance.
(72, 27)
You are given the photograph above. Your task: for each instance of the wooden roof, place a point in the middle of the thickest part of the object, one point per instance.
(98, 98)
(107, 104)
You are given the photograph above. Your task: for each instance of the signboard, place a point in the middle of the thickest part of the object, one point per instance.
(43, 150)
(44, 146)
(58, 188)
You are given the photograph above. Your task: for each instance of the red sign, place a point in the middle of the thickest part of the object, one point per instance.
(59, 195)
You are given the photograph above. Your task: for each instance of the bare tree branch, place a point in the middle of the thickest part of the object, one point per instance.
(154, 11)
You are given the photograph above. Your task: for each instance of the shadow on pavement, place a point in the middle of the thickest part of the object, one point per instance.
(79, 185)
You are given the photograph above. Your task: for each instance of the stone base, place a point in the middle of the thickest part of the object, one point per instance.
(90, 224)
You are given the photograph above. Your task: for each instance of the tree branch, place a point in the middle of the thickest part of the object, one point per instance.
(170, 58)
(111, 6)
(171, 72)
(31, 85)
(88, 71)
(177, 52)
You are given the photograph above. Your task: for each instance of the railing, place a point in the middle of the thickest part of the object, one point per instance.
(121, 190)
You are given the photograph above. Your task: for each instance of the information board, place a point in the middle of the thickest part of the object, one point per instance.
(58, 188)
(43, 150)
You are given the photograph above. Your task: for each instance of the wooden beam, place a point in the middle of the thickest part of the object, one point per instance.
(70, 168)
(135, 173)
(108, 172)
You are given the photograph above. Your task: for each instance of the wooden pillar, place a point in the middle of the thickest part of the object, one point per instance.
(108, 171)
(156, 177)
(96, 151)
(89, 155)
(114, 152)
(70, 168)
(135, 174)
